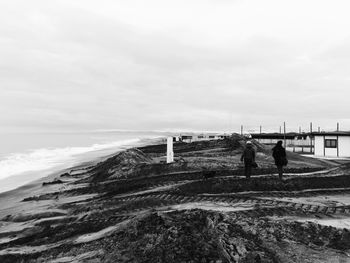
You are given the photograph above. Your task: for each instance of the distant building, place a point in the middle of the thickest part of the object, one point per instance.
(186, 138)
(332, 144)
(203, 137)
(176, 138)
(273, 138)
(223, 136)
(295, 142)
(303, 142)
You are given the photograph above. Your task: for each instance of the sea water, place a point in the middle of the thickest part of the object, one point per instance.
(25, 157)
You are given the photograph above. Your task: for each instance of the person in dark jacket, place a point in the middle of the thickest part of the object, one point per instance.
(280, 156)
(248, 157)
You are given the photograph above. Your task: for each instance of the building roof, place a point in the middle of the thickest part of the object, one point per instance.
(276, 135)
(292, 135)
(332, 133)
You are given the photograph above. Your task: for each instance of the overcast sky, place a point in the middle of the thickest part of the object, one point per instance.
(184, 64)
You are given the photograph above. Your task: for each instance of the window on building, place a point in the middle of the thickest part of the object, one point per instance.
(330, 143)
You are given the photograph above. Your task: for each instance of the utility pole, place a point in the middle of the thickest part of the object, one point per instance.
(337, 126)
(319, 129)
(311, 149)
(242, 130)
(284, 128)
(299, 129)
(260, 132)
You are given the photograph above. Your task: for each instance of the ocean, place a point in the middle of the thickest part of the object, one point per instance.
(25, 157)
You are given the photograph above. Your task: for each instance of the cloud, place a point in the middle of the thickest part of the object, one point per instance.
(190, 64)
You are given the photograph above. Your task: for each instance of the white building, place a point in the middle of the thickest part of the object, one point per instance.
(332, 144)
(203, 137)
(295, 142)
(302, 143)
(273, 138)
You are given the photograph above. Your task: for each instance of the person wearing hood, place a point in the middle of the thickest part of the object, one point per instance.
(280, 156)
(248, 156)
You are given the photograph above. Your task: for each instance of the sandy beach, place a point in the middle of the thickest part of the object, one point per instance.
(133, 207)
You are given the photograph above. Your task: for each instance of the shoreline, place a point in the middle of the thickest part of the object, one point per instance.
(12, 199)
(90, 157)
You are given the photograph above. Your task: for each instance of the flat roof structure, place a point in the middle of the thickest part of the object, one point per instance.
(289, 135)
(332, 133)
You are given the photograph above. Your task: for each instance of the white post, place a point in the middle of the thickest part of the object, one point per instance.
(170, 152)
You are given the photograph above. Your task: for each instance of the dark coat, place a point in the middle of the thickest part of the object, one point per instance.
(280, 156)
(248, 155)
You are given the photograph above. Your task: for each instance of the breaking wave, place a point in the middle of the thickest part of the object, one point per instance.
(46, 158)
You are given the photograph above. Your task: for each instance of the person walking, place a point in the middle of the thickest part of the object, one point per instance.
(280, 156)
(248, 156)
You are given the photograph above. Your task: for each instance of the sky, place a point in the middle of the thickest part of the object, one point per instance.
(202, 65)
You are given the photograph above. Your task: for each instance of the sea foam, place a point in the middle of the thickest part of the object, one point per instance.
(46, 158)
